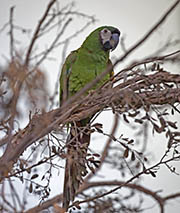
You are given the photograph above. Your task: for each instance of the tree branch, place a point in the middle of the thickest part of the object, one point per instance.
(35, 36)
(57, 199)
(105, 151)
(11, 33)
(150, 32)
(124, 95)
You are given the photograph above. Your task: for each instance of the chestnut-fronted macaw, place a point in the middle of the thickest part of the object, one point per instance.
(81, 67)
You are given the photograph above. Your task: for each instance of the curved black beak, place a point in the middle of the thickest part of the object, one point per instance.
(114, 41)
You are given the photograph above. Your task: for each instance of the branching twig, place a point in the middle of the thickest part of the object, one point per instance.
(36, 33)
(11, 34)
(145, 89)
(125, 184)
(89, 106)
(105, 151)
(149, 33)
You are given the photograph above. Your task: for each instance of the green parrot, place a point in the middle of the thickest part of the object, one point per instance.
(81, 67)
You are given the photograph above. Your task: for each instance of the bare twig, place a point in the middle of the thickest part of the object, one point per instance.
(150, 32)
(11, 33)
(147, 89)
(160, 199)
(90, 106)
(125, 184)
(54, 42)
(36, 33)
(105, 151)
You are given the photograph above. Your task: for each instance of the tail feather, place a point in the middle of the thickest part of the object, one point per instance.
(75, 169)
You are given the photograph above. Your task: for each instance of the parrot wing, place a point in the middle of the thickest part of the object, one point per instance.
(81, 67)
(65, 74)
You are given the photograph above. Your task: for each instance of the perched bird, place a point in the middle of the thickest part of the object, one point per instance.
(81, 67)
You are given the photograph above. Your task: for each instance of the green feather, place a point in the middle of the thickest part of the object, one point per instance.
(81, 67)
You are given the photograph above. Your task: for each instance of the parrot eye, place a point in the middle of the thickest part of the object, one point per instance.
(105, 34)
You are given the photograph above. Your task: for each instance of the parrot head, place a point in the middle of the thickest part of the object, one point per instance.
(105, 38)
(109, 37)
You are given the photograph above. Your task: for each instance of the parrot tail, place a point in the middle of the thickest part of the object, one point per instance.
(75, 168)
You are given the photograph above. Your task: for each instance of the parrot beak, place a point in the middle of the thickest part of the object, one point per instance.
(114, 40)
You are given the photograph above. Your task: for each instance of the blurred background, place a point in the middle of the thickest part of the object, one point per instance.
(133, 19)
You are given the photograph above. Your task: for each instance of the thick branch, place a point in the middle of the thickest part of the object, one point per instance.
(130, 96)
